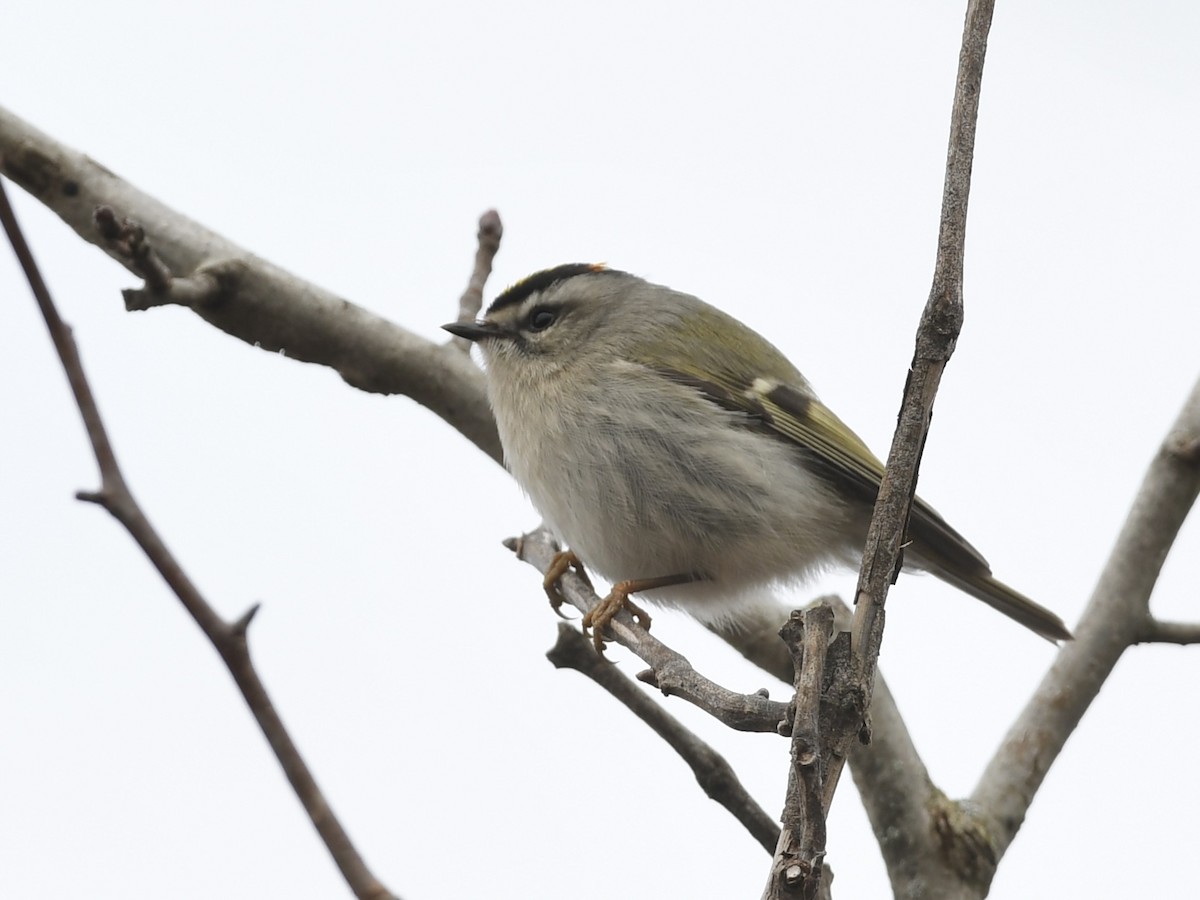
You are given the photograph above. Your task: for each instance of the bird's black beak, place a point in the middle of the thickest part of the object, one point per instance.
(473, 331)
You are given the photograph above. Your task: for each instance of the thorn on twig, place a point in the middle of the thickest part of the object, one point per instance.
(240, 627)
(647, 676)
(97, 497)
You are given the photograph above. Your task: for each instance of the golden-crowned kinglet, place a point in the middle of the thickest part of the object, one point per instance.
(678, 453)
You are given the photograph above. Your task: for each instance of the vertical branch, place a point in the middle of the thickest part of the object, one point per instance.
(490, 231)
(937, 333)
(796, 871)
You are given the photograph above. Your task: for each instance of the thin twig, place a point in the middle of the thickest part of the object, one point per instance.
(229, 638)
(127, 240)
(1157, 631)
(574, 651)
(469, 304)
(671, 672)
(937, 333)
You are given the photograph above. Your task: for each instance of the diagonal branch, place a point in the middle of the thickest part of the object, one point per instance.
(255, 300)
(573, 651)
(1116, 617)
(670, 671)
(275, 309)
(229, 638)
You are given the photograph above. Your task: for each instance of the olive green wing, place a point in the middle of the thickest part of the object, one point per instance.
(830, 446)
(832, 449)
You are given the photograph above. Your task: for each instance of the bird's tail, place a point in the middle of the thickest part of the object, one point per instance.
(998, 595)
(940, 550)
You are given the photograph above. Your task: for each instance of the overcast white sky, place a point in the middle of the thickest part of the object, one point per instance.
(782, 160)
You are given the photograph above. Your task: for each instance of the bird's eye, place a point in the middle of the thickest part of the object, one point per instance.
(541, 319)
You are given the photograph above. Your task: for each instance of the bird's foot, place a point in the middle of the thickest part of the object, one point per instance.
(600, 615)
(563, 561)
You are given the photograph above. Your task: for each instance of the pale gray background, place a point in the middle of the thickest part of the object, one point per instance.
(782, 160)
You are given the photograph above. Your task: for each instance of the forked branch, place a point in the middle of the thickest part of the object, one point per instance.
(229, 638)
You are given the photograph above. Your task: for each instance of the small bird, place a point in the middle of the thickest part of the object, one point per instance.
(679, 454)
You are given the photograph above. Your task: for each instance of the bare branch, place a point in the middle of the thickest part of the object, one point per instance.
(228, 638)
(891, 777)
(671, 672)
(574, 651)
(941, 321)
(490, 232)
(255, 301)
(127, 240)
(1116, 617)
(1156, 631)
(937, 334)
(797, 867)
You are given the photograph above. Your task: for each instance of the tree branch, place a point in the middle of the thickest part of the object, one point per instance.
(850, 697)
(900, 799)
(891, 778)
(1116, 617)
(796, 869)
(937, 334)
(1156, 631)
(229, 638)
(286, 312)
(670, 671)
(574, 651)
(490, 232)
(263, 305)
(253, 300)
